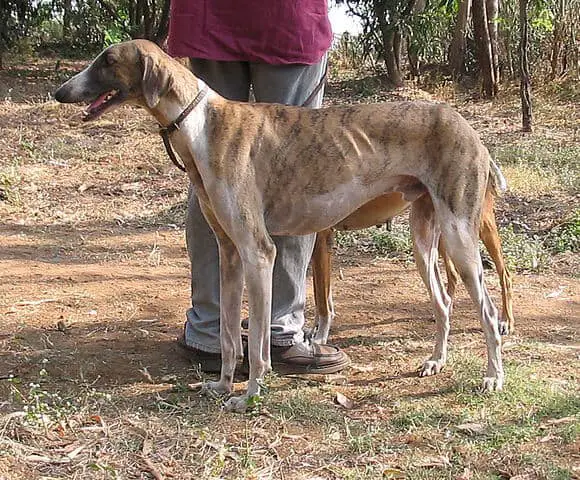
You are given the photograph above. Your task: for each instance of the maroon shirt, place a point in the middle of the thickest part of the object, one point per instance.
(277, 32)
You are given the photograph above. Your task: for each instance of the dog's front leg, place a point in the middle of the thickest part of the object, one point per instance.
(231, 287)
(258, 265)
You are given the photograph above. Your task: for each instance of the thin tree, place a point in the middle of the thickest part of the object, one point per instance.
(458, 42)
(525, 88)
(484, 48)
(390, 41)
(491, 10)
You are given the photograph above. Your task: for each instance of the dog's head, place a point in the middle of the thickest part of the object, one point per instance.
(126, 72)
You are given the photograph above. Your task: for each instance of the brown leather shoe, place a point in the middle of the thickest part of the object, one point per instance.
(305, 357)
(308, 357)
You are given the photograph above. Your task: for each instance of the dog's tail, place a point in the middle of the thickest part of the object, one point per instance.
(497, 181)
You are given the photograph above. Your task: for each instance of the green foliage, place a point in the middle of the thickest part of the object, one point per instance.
(430, 31)
(80, 27)
(523, 252)
(114, 34)
(395, 242)
(566, 236)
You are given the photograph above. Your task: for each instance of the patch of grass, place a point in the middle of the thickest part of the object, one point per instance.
(569, 433)
(9, 180)
(367, 438)
(299, 407)
(359, 472)
(543, 162)
(523, 252)
(424, 414)
(517, 415)
(393, 243)
(566, 236)
(43, 408)
(529, 180)
(566, 89)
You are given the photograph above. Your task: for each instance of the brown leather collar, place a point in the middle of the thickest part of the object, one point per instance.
(166, 131)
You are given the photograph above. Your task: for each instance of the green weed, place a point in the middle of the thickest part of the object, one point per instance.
(524, 253)
(566, 236)
(9, 181)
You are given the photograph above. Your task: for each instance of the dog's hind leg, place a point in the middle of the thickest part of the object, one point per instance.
(461, 242)
(321, 272)
(490, 237)
(426, 233)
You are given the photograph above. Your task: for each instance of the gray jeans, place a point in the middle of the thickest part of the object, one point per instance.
(287, 84)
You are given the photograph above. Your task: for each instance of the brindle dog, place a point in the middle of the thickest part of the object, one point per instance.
(266, 169)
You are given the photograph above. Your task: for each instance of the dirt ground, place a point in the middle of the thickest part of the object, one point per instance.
(94, 286)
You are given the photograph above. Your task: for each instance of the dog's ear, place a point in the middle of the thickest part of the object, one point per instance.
(156, 81)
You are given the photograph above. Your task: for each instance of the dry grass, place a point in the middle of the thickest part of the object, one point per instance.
(95, 285)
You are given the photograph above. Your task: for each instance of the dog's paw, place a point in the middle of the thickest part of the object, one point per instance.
(431, 367)
(215, 389)
(242, 403)
(504, 327)
(492, 384)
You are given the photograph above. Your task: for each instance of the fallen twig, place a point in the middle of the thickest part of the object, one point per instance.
(152, 468)
(26, 303)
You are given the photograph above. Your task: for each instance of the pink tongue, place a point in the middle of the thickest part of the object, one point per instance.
(98, 101)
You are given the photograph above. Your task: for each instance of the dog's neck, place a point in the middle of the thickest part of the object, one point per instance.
(184, 89)
(190, 141)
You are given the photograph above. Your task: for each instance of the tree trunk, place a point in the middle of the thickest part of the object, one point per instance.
(393, 72)
(388, 40)
(66, 19)
(483, 45)
(414, 8)
(491, 9)
(163, 26)
(397, 47)
(558, 39)
(525, 89)
(457, 47)
(148, 19)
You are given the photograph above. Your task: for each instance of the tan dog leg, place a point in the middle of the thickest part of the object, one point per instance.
(231, 287)
(462, 247)
(426, 233)
(321, 271)
(490, 237)
(257, 256)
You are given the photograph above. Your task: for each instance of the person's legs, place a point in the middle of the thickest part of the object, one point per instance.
(291, 84)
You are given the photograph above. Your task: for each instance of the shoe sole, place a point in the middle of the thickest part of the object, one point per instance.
(294, 369)
(283, 368)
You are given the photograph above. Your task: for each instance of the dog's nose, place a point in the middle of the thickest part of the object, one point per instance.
(60, 94)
